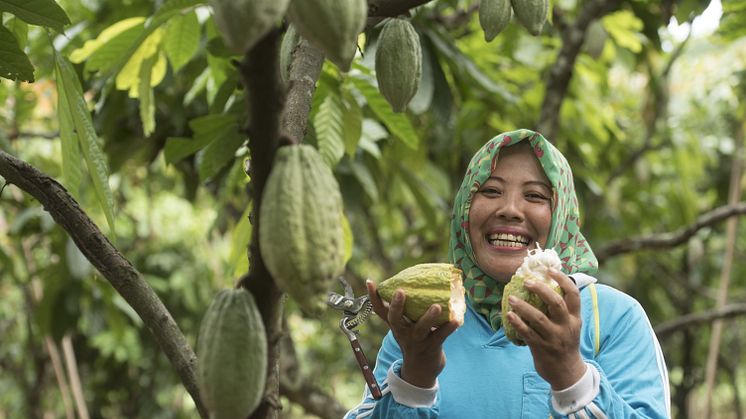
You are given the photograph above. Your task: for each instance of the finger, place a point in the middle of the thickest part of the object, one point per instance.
(555, 302)
(396, 309)
(529, 316)
(425, 324)
(443, 331)
(572, 293)
(524, 331)
(378, 304)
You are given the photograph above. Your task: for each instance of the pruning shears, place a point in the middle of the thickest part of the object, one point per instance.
(355, 312)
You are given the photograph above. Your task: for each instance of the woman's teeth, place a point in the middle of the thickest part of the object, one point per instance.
(507, 240)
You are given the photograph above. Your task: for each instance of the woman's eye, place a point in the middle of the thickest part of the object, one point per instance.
(489, 191)
(534, 196)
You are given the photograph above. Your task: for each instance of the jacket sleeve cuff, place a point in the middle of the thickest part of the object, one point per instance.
(408, 394)
(578, 395)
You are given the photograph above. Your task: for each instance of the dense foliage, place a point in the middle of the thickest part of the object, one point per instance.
(140, 111)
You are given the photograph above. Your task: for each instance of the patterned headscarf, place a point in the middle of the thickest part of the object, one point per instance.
(484, 292)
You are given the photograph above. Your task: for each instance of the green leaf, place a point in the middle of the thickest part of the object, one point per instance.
(102, 53)
(239, 259)
(72, 172)
(181, 39)
(14, 64)
(329, 129)
(129, 75)
(147, 102)
(624, 27)
(352, 122)
(178, 148)
(362, 174)
(173, 7)
(397, 123)
(223, 131)
(89, 142)
(37, 12)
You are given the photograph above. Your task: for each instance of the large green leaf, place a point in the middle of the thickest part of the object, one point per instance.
(181, 39)
(397, 123)
(102, 53)
(240, 239)
(37, 12)
(147, 102)
(328, 123)
(89, 142)
(352, 121)
(14, 64)
(225, 139)
(72, 172)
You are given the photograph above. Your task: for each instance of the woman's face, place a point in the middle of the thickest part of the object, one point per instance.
(510, 213)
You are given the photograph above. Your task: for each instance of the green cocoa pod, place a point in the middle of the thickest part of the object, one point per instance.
(330, 25)
(243, 22)
(595, 39)
(494, 16)
(535, 267)
(398, 63)
(427, 284)
(531, 14)
(300, 227)
(232, 355)
(290, 40)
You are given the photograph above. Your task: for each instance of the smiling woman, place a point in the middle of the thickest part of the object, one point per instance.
(592, 354)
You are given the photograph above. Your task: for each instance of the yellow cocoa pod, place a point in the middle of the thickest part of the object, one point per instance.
(494, 16)
(532, 14)
(300, 227)
(427, 284)
(330, 25)
(243, 22)
(535, 266)
(398, 63)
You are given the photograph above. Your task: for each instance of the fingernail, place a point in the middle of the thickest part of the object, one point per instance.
(398, 296)
(529, 282)
(512, 299)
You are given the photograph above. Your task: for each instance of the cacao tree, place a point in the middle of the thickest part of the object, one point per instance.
(137, 146)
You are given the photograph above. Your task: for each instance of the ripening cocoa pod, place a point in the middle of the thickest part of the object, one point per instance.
(595, 39)
(330, 25)
(398, 63)
(232, 355)
(494, 16)
(300, 227)
(532, 14)
(535, 267)
(426, 284)
(243, 22)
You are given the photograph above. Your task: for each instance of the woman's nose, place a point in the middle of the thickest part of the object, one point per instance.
(509, 208)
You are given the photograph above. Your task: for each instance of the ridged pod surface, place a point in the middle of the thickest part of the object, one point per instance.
(331, 25)
(534, 267)
(300, 226)
(232, 355)
(426, 284)
(243, 22)
(532, 14)
(398, 63)
(494, 16)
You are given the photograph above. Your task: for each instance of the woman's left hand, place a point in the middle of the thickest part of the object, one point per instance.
(554, 339)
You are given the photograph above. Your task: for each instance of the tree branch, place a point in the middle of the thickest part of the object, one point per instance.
(561, 72)
(305, 68)
(313, 400)
(110, 263)
(664, 330)
(671, 239)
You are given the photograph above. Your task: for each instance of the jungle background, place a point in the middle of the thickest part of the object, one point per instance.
(142, 115)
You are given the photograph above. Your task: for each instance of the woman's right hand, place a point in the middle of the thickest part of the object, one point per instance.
(421, 342)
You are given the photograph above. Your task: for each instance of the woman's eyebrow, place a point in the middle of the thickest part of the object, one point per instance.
(529, 182)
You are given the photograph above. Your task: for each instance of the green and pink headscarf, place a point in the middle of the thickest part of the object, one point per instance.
(484, 292)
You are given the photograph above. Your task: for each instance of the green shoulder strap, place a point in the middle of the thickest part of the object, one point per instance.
(596, 320)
